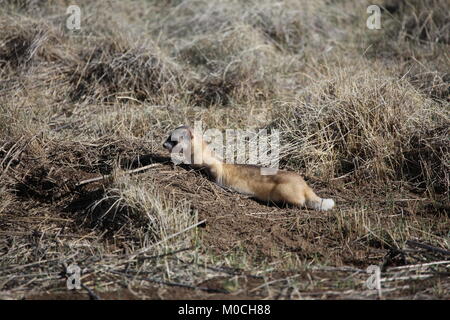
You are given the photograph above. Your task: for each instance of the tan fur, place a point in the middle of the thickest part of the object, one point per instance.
(282, 187)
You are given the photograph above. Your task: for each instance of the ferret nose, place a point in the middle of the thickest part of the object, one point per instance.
(166, 145)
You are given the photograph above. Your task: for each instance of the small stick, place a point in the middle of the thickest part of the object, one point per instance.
(428, 247)
(171, 284)
(143, 250)
(91, 293)
(84, 182)
(422, 265)
(411, 277)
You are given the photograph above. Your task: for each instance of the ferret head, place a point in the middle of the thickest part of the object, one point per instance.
(181, 137)
(188, 146)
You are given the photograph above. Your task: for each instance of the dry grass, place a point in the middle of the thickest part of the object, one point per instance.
(364, 115)
(370, 126)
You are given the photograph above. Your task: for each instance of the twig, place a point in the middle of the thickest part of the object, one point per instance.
(171, 284)
(91, 293)
(227, 270)
(267, 284)
(17, 267)
(143, 250)
(428, 247)
(337, 269)
(166, 254)
(411, 277)
(413, 266)
(92, 180)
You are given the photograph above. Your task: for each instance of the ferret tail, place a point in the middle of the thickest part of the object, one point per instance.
(317, 203)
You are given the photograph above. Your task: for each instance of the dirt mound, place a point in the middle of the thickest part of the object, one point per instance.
(236, 223)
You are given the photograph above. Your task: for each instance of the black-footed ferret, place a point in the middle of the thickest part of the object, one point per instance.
(282, 187)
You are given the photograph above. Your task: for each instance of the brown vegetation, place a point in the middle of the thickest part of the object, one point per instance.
(364, 116)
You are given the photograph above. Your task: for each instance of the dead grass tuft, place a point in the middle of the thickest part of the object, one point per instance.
(233, 65)
(116, 68)
(420, 21)
(27, 41)
(369, 127)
